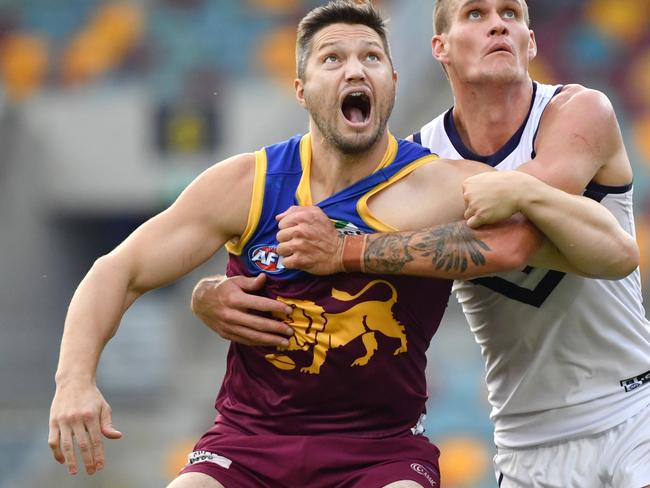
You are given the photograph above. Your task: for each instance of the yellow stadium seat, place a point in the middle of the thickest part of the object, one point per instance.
(23, 63)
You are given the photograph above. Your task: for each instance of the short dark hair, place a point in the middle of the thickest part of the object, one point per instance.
(442, 14)
(337, 12)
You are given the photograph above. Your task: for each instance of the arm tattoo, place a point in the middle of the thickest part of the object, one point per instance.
(450, 247)
(387, 253)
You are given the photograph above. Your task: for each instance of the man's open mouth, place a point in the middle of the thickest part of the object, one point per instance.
(356, 107)
(500, 48)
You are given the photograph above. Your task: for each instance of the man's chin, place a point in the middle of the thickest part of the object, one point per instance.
(356, 144)
(503, 75)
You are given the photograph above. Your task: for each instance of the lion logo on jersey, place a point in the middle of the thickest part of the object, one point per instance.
(319, 331)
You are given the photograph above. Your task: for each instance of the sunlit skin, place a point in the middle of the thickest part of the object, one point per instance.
(486, 52)
(347, 58)
(488, 41)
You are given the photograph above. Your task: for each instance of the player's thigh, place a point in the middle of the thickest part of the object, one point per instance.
(195, 480)
(404, 484)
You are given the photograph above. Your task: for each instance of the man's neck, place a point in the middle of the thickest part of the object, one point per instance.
(332, 171)
(487, 116)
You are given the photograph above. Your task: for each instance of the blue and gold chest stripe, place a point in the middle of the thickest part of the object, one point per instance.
(282, 179)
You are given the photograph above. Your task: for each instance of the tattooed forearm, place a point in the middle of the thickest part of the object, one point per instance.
(387, 253)
(452, 247)
(448, 247)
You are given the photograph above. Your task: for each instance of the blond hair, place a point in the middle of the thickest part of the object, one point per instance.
(443, 10)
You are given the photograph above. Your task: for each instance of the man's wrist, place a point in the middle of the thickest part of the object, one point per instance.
(530, 192)
(64, 378)
(352, 255)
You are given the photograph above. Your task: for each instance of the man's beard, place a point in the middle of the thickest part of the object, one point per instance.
(355, 144)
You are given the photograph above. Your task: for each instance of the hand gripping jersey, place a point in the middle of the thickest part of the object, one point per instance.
(565, 356)
(356, 363)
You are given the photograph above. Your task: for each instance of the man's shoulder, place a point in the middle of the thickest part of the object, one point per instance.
(579, 110)
(579, 97)
(236, 169)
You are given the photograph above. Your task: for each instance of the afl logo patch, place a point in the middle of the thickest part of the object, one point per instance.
(266, 258)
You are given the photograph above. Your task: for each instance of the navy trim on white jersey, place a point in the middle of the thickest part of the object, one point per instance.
(535, 297)
(597, 192)
(534, 153)
(501, 154)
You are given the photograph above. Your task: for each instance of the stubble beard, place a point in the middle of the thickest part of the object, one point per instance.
(358, 143)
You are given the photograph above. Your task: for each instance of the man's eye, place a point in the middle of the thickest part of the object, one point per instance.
(330, 59)
(474, 15)
(373, 57)
(509, 15)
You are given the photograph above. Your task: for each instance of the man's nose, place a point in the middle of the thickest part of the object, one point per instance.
(354, 69)
(499, 27)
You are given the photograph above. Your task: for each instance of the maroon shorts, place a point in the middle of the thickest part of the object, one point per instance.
(290, 461)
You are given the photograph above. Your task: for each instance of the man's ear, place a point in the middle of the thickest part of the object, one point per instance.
(439, 48)
(532, 47)
(300, 91)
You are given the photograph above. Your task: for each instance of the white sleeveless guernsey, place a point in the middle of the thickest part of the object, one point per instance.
(565, 356)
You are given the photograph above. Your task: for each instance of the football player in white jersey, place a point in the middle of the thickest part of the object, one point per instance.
(567, 358)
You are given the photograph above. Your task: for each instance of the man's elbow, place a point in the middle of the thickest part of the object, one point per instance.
(116, 270)
(620, 265)
(629, 259)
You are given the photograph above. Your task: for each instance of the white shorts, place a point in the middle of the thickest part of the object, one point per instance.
(616, 458)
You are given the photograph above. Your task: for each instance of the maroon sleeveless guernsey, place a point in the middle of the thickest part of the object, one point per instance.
(356, 362)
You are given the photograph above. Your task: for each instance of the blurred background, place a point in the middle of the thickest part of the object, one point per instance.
(109, 108)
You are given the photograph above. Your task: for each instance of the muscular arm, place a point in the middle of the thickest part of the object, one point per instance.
(430, 200)
(453, 251)
(579, 141)
(583, 232)
(426, 200)
(160, 251)
(446, 251)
